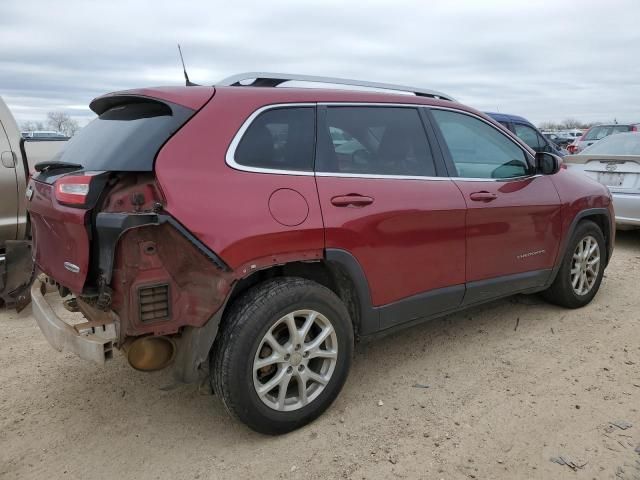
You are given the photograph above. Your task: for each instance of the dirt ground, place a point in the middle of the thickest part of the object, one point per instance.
(510, 386)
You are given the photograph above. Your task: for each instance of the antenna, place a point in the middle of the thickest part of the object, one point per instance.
(188, 82)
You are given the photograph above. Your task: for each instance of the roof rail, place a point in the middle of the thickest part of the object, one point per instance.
(264, 79)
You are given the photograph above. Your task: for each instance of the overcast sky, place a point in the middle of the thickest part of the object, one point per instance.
(545, 60)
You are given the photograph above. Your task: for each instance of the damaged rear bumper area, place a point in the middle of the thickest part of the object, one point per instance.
(91, 340)
(154, 292)
(16, 274)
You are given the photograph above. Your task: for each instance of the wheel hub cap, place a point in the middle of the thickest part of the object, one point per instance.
(296, 358)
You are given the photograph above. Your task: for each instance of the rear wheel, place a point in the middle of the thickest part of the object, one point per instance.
(582, 268)
(283, 354)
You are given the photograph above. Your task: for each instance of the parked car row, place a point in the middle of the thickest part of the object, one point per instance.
(527, 132)
(563, 138)
(608, 153)
(614, 161)
(45, 135)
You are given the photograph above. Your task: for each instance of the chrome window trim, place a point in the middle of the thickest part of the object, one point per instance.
(378, 176)
(230, 160)
(231, 151)
(509, 179)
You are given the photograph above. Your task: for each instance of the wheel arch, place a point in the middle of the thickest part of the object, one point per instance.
(602, 218)
(339, 271)
(603, 221)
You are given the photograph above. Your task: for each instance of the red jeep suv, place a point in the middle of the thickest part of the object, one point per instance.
(255, 233)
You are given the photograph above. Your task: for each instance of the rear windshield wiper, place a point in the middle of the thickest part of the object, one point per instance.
(45, 166)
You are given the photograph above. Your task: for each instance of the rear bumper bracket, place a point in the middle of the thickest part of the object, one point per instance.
(89, 342)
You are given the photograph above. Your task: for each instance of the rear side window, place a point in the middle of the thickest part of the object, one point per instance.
(374, 141)
(478, 150)
(125, 137)
(280, 139)
(529, 136)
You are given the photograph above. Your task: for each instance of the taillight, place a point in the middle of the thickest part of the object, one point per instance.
(634, 128)
(572, 148)
(73, 190)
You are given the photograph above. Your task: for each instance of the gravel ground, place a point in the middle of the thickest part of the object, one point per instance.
(509, 386)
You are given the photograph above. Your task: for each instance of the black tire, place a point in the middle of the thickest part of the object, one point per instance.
(247, 321)
(561, 291)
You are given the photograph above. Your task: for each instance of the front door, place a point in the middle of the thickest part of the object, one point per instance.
(513, 218)
(382, 202)
(8, 191)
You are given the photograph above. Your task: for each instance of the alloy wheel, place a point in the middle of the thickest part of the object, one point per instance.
(295, 360)
(585, 265)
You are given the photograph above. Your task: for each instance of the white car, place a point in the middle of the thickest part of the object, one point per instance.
(45, 134)
(615, 162)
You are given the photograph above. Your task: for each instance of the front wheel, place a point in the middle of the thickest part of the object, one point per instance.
(582, 268)
(283, 354)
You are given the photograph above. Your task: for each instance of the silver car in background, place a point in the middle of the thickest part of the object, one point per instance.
(614, 161)
(598, 132)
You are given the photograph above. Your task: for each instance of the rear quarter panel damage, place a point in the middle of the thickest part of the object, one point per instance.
(154, 255)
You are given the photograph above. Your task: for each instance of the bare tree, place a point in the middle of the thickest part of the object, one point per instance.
(31, 126)
(63, 123)
(570, 123)
(548, 126)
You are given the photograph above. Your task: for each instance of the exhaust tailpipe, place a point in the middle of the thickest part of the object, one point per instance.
(149, 354)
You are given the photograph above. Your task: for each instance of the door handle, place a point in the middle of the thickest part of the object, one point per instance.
(352, 200)
(483, 196)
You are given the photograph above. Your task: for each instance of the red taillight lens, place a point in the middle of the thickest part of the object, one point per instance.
(572, 148)
(634, 128)
(73, 190)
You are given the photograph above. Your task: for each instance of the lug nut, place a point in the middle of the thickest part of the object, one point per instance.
(287, 356)
(289, 369)
(300, 368)
(297, 347)
(305, 354)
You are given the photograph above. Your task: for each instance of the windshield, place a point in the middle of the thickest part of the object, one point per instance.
(621, 144)
(126, 137)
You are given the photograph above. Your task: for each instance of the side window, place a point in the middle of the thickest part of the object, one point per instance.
(530, 137)
(374, 140)
(282, 138)
(479, 150)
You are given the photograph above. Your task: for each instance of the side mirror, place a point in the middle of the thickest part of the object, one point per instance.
(547, 163)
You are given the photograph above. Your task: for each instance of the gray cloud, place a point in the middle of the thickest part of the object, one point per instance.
(543, 60)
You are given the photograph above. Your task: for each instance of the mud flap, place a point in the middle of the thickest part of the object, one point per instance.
(16, 274)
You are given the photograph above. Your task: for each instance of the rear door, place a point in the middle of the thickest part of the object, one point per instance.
(8, 191)
(513, 217)
(383, 202)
